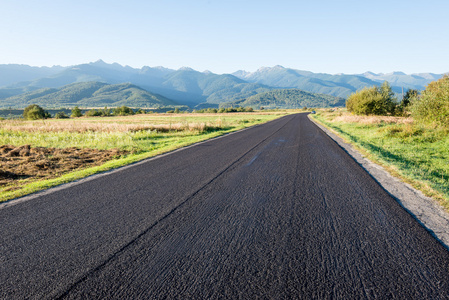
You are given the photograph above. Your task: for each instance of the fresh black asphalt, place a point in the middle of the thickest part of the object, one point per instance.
(277, 211)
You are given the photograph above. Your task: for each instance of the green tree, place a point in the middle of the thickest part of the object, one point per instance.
(94, 113)
(123, 111)
(372, 101)
(410, 95)
(61, 115)
(35, 112)
(106, 112)
(76, 112)
(432, 107)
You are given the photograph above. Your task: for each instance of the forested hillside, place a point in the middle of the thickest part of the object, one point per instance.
(89, 94)
(290, 98)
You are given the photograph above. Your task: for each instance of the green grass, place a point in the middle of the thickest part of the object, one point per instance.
(418, 155)
(142, 144)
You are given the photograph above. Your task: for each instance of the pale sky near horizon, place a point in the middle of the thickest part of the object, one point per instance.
(223, 36)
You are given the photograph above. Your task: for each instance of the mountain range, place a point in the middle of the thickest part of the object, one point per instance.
(157, 86)
(90, 94)
(340, 85)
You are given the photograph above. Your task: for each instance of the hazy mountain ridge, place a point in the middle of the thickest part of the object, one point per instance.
(340, 85)
(400, 79)
(13, 73)
(185, 85)
(89, 94)
(189, 87)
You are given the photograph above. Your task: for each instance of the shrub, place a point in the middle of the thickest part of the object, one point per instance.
(106, 112)
(372, 101)
(35, 112)
(61, 115)
(94, 113)
(76, 112)
(432, 107)
(123, 111)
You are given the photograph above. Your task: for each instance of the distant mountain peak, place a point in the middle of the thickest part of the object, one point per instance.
(369, 73)
(98, 62)
(241, 73)
(185, 69)
(267, 69)
(262, 69)
(397, 73)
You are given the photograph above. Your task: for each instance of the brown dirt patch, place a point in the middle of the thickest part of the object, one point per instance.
(25, 162)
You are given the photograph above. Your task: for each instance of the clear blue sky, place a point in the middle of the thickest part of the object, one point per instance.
(345, 36)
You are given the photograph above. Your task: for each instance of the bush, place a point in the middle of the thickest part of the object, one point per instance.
(432, 107)
(76, 112)
(123, 111)
(61, 115)
(106, 112)
(94, 113)
(372, 101)
(35, 112)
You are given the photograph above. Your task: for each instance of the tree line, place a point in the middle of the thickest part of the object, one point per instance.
(431, 106)
(36, 112)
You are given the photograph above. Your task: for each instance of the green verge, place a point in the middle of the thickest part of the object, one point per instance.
(417, 155)
(144, 144)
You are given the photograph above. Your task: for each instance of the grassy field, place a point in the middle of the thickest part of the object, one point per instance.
(133, 138)
(418, 155)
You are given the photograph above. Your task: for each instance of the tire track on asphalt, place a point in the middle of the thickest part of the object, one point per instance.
(173, 210)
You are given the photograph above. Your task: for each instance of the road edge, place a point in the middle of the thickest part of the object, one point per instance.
(424, 209)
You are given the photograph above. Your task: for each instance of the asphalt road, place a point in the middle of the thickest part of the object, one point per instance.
(275, 211)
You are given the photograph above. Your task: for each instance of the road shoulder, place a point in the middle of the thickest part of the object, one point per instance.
(424, 209)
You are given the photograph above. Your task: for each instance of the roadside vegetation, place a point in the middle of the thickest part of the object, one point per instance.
(410, 138)
(37, 154)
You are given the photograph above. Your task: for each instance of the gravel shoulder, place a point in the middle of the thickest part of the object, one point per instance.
(424, 209)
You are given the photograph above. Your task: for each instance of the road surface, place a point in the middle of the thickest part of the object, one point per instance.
(275, 211)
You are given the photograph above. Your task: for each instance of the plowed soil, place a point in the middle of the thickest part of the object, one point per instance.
(44, 163)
